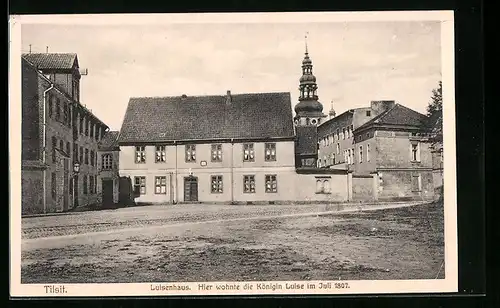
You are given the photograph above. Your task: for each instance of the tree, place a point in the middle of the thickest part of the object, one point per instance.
(436, 104)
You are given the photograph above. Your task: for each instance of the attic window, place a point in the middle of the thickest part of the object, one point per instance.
(368, 113)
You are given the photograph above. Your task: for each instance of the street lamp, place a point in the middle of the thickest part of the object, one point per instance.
(76, 170)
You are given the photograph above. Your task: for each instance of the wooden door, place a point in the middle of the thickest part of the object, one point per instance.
(107, 191)
(190, 189)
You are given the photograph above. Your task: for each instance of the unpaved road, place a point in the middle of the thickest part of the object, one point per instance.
(400, 243)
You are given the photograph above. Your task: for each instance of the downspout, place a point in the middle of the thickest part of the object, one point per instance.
(176, 187)
(44, 145)
(232, 169)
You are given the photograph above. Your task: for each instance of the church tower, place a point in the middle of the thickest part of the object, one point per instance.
(309, 111)
(308, 115)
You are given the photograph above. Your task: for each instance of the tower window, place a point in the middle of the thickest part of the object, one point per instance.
(313, 121)
(308, 121)
(368, 113)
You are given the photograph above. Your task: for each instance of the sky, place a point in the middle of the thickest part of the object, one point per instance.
(354, 62)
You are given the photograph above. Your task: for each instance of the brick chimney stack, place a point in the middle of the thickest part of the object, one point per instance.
(228, 97)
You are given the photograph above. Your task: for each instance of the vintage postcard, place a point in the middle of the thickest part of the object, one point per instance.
(232, 154)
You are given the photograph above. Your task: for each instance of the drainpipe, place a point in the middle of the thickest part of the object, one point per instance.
(232, 169)
(176, 188)
(44, 145)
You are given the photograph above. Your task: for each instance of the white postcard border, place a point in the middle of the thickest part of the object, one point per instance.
(449, 284)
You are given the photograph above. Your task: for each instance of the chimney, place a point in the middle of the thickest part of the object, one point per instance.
(381, 106)
(228, 97)
(46, 49)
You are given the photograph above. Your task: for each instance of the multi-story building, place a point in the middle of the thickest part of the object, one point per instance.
(108, 185)
(395, 150)
(335, 136)
(60, 134)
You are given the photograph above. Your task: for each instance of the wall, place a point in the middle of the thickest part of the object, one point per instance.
(31, 147)
(112, 174)
(328, 139)
(288, 181)
(32, 191)
(369, 163)
(362, 187)
(397, 185)
(394, 151)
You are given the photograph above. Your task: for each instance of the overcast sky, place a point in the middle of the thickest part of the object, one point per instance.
(354, 62)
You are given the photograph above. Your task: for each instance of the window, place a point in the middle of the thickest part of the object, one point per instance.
(160, 154)
(216, 152)
(338, 148)
(140, 154)
(415, 151)
(140, 184)
(61, 145)
(107, 162)
(53, 185)
(322, 186)
(343, 133)
(367, 152)
(65, 113)
(87, 127)
(270, 151)
(307, 121)
(91, 129)
(348, 133)
(271, 184)
(416, 183)
(92, 159)
(338, 134)
(68, 148)
(82, 124)
(360, 154)
(349, 156)
(54, 146)
(86, 156)
(367, 135)
(216, 181)
(85, 185)
(368, 113)
(353, 155)
(249, 183)
(51, 104)
(351, 129)
(81, 155)
(248, 152)
(75, 151)
(190, 153)
(58, 110)
(160, 185)
(91, 184)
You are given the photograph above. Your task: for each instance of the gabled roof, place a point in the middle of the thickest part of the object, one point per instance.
(177, 118)
(52, 60)
(307, 144)
(398, 115)
(110, 141)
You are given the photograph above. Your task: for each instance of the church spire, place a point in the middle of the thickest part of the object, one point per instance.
(331, 113)
(308, 107)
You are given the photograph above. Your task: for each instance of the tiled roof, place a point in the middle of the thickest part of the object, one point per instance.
(51, 60)
(252, 115)
(398, 115)
(308, 141)
(110, 141)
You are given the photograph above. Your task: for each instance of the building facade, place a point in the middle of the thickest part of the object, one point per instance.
(394, 149)
(108, 185)
(59, 132)
(241, 150)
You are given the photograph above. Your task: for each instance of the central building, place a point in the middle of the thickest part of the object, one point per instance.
(227, 148)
